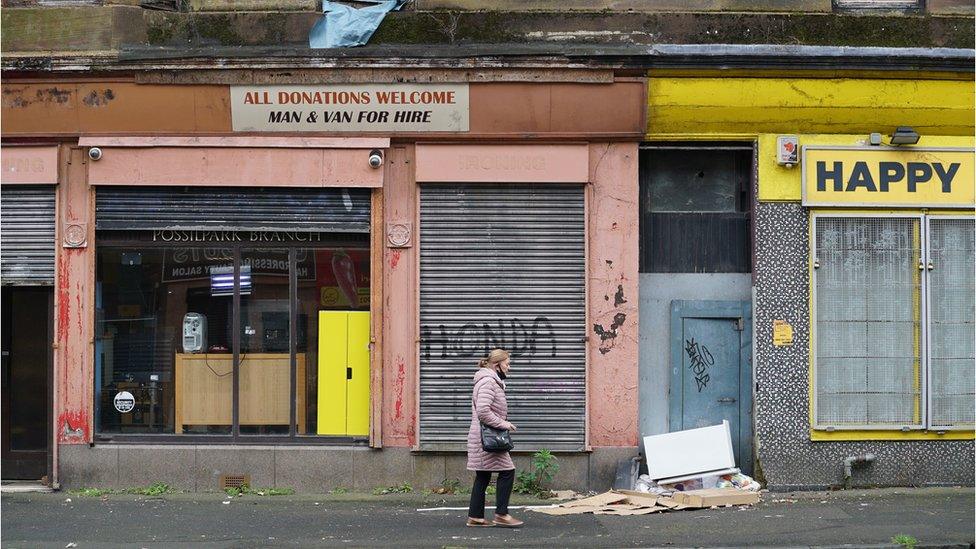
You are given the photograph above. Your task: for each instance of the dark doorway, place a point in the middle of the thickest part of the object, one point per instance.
(26, 337)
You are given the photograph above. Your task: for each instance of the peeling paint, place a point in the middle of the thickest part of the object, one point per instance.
(98, 99)
(55, 94)
(398, 387)
(608, 337)
(394, 259)
(64, 298)
(618, 298)
(72, 427)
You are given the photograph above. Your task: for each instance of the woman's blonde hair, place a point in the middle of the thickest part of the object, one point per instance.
(494, 357)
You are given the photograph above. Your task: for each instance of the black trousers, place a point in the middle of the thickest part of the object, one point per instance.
(503, 491)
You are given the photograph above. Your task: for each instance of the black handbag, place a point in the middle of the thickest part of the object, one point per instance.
(495, 440)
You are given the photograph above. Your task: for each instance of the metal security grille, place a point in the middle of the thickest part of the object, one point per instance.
(238, 209)
(27, 235)
(868, 311)
(503, 266)
(951, 328)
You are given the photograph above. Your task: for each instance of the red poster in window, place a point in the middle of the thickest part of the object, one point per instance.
(342, 277)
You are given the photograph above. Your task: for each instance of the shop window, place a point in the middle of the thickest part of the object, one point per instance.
(183, 330)
(695, 208)
(894, 322)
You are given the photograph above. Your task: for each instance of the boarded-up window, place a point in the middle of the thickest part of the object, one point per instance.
(695, 204)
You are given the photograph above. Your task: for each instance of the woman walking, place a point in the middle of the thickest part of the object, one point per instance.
(489, 406)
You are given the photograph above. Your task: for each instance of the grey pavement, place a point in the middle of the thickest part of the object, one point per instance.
(936, 517)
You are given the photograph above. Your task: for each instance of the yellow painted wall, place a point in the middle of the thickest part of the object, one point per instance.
(733, 107)
(779, 183)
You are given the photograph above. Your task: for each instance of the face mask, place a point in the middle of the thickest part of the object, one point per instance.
(501, 374)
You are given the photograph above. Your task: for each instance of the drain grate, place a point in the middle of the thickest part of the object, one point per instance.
(234, 481)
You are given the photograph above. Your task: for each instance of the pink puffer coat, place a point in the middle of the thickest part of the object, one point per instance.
(488, 405)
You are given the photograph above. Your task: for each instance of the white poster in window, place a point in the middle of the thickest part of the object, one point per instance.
(350, 108)
(124, 402)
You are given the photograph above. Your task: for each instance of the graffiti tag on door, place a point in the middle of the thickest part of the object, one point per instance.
(701, 361)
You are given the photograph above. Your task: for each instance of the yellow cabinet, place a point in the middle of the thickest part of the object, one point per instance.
(343, 406)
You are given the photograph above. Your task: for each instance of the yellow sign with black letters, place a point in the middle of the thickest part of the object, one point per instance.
(889, 177)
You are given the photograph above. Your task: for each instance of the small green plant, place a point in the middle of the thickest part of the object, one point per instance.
(535, 481)
(491, 490)
(338, 491)
(907, 541)
(448, 486)
(247, 490)
(91, 492)
(154, 489)
(404, 488)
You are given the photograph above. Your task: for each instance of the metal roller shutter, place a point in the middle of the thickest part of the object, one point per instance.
(27, 235)
(503, 266)
(239, 209)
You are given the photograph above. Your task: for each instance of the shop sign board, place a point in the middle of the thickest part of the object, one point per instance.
(350, 108)
(888, 177)
(29, 164)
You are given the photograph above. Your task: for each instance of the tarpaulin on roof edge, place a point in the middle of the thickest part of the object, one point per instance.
(343, 26)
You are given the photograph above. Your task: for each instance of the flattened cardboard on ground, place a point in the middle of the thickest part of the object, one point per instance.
(716, 497)
(628, 502)
(628, 511)
(606, 498)
(578, 510)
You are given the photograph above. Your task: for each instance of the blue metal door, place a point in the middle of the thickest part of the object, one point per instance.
(711, 374)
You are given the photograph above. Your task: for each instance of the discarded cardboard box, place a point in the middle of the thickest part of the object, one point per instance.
(627, 502)
(716, 497)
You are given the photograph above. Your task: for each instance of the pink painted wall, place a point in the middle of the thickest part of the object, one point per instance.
(400, 368)
(73, 308)
(235, 166)
(28, 164)
(613, 297)
(456, 163)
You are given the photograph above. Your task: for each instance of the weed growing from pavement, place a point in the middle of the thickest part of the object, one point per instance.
(338, 491)
(247, 490)
(154, 489)
(533, 481)
(907, 541)
(448, 486)
(404, 488)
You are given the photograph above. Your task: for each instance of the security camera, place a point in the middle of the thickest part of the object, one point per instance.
(95, 153)
(375, 159)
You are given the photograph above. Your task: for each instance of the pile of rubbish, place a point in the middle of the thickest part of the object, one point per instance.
(646, 485)
(691, 469)
(628, 502)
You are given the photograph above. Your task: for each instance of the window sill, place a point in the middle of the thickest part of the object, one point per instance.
(852, 435)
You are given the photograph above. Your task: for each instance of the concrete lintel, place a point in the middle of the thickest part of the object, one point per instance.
(796, 6)
(250, 5)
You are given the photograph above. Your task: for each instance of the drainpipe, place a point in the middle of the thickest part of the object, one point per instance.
(849, 463)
